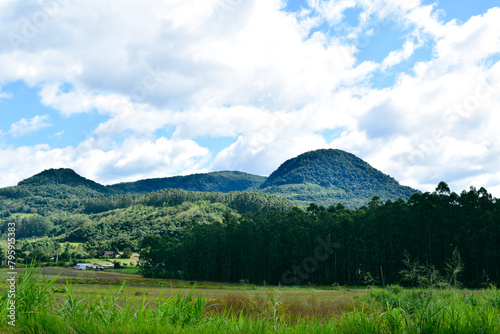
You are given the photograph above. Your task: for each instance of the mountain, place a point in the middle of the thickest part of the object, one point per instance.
(225, 181)
(330, 176)
(324, 177)
(62, 182)
(61, 176)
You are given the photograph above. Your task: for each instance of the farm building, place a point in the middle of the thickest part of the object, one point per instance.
(84, 266)
(88, 266)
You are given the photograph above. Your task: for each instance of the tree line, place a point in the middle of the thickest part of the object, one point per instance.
(380, 243)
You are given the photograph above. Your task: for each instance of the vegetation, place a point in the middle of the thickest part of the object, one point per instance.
(328, 177)
(226, 181)
(41, 307)
(258, 237)
(422, 249)
(432, 235)
(109, 222)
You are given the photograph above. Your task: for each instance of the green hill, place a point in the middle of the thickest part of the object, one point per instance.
(324, 177)
(61, 176)
(60, 183)
(225, 181)
(332, 176)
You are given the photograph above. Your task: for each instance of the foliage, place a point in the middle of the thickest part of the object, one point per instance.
(418, 243)
(332, 176)
(225, 181)
(62, 176)
(127, 253)
(258, 237)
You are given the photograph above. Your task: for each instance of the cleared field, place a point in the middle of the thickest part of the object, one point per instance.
(99, 282)
(123, 303)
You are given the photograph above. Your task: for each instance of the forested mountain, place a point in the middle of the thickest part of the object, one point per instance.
(62, 176)
(324, 177)
(56, 183)
(224, 181)
(332, 176)
(257, 236)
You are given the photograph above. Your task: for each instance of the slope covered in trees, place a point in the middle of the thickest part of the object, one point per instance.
(43, 208)
(225, 181)
(324, 177)
(260, 237)
(56, 183)
(434, 238)
(61, 176)
(332, 176)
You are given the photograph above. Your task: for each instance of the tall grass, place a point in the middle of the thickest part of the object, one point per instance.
(390, 310)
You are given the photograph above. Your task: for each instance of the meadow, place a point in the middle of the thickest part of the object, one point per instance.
(74, 302)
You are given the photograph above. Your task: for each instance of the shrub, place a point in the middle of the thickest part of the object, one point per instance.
(127, 253)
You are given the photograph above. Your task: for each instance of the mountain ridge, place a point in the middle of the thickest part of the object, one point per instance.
(325, 177)
(223, 181)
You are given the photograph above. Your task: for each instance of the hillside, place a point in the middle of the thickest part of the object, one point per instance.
(225, 181)
(59, 183)
(61, 176)
(332, 176)
(324, 177)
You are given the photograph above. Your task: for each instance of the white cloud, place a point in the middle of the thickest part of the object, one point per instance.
(333, 10)
(396, 57)
(4, 95)
(26, 126)
(132, 160)
(138, 159)
(248, 70)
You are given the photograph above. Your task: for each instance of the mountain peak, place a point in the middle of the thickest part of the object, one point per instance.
(335, 175)
(64, 176)
(324, 167)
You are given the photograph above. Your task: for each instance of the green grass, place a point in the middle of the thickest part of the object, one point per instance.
(126, 270)
(45, 307)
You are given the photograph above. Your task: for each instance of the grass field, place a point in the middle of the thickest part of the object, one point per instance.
(55, 300)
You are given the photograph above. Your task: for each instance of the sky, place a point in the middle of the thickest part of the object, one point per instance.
(123, 90)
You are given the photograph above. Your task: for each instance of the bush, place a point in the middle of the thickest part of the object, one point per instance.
(395, 288)
(64, 257)
(127, 253)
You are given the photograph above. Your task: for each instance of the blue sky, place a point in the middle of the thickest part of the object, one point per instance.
(120, 91)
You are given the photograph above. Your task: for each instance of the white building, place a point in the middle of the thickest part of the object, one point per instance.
(84, 266)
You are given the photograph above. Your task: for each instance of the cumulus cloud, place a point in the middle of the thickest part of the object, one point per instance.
(26, 126)
(139, 158)
(132, 160)
(4, 95)
(165, 73)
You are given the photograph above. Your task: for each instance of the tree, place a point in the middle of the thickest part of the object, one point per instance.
(127, 253)
(443, 189)
(454, 267)
(414, 272)
(35, 226)
(159, 256)
(38, 255)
